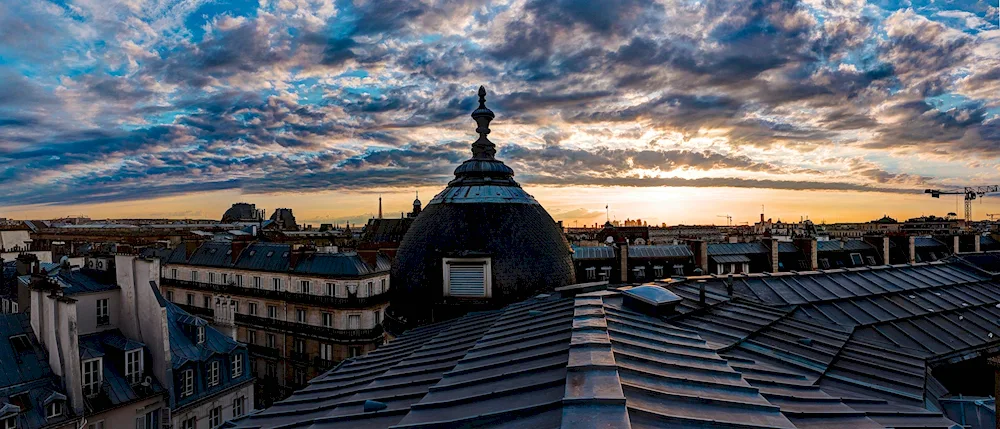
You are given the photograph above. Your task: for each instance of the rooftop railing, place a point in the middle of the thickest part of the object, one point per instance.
(295, 297)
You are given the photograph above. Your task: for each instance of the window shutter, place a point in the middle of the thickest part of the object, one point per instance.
(468, 280)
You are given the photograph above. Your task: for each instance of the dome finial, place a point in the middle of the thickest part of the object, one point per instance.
(483, 148)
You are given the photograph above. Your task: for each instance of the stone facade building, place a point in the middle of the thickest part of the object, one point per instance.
(300, 312)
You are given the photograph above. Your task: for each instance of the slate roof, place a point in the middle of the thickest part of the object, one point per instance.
(832, 349)
(27, 373)
(729, 259)
(927, 242)
(593, 253)
(785, 247)
(115, 390)
(274, 257)
(182, 349)
(985, 261)
(656, 252)
(84, 281)
(385, 230)
(736, 248)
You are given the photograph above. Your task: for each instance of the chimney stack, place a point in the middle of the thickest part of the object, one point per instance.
(623, 262)
(700, 250)
(809, 248)
(774, 254)
(911, 243)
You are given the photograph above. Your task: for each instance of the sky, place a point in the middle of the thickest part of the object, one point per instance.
(675, 111)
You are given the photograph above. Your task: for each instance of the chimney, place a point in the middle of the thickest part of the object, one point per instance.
(700, 250)
(762, 218)
(956, 242)
(380, 207)
(809, 248)
(237, 247)
(623, 263)
(370, 256)
(774, 254)
(189, 248)
(977, 240)
(911, 242)
(701, 292)
(299, 254)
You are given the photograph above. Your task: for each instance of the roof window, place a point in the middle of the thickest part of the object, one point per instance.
(20, 343)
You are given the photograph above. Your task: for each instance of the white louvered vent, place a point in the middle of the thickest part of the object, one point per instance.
(467, 278)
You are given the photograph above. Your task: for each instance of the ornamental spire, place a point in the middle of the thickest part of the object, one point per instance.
(483, 148)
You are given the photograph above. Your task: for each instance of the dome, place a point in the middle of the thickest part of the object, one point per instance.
(242, 212)
(482, 217)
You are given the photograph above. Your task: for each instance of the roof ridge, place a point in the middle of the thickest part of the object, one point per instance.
(593, 387)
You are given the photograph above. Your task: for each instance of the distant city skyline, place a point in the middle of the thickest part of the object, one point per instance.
(583, 205)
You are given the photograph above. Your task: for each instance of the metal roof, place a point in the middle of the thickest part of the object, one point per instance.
(85, 281)
(593, 361)
(785, 247)
(264, 257)
(927, 242)
(275, 258)
(736, 248)
(593, 252)
(341, 264)
(212, 254)
(729, 259)
(655, 252)
(116, 389)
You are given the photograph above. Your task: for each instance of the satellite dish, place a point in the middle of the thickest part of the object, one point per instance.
(609, 240)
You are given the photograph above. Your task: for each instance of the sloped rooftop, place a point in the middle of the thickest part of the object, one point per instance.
(832, 349)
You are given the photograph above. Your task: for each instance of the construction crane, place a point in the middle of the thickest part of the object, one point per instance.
(729, 219)
(970, 193)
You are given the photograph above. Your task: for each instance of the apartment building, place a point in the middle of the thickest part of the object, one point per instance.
(299, 312)
(126, 357)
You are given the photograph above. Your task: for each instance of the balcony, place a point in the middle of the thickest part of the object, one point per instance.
(263, 351)
(298, 298)
(316, 332)
(103, 320)
(300, 357)
(205, 313)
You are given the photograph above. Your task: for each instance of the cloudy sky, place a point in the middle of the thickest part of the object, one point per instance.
(673, 111)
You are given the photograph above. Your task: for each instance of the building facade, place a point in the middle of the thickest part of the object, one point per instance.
(299, 312)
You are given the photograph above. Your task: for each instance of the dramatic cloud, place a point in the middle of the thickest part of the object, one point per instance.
(112, 100)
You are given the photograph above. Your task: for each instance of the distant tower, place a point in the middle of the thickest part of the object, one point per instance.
(416, 205)
(380, 207)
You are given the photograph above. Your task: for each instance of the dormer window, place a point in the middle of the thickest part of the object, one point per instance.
(93, 374)
(467, 277)
(213, 373)
(268, 255)
(237, 365)
(54, 409)
(20, 344)
(10, 422)
(187, 383)
(133, 366)
(201, 335)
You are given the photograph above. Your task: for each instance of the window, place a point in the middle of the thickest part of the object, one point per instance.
(304, 286)
(383, 287)
(251, 336)
(150, 420)
(605, 273)
(256, 282)
(824, 263)
(330, 289)
(328, 320)
(237, 365)
(187, 382)
(211, 278)
(856, 259)
(92, 377)
(96, 425)
(252, 308)
(207, 300)
(215, 417)
(194, 276)
(276, 284)
(299, 345)
(326, 352)
(190, 299)
(591, 273)
(170, 295)
(871, 260)
(238, 406)
(173, 275)
(300, 315)
(355, 351)
(189, 423)
(272, 311)
(213, 373)
(239, 280)
(658, 271)
(54, 409)
(201, 335)
(236, 306)
(103, 317)
(300, 376)
(469, 278)
(269, 340)
(378, 317)
(370, 289)
(354, 321)
(270, 370)
(679, 269)
(225, 278)
(640, 272)
(20, 344)
(133, 366)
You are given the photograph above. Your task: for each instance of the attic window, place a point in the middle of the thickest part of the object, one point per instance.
(229, 252)
(268, 255)
(284, 255)
(252, 252)
(211, 251)
(20, 343)
(201, 335)
(54, 409)
(856, 258)
(22, 401)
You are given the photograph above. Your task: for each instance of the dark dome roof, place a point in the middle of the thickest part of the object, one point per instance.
(483, 212)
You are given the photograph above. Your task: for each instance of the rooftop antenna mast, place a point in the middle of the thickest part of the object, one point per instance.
(607, 212)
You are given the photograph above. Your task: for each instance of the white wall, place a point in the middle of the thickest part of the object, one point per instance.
(14, 239)
(201, 411)
(86, 311)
